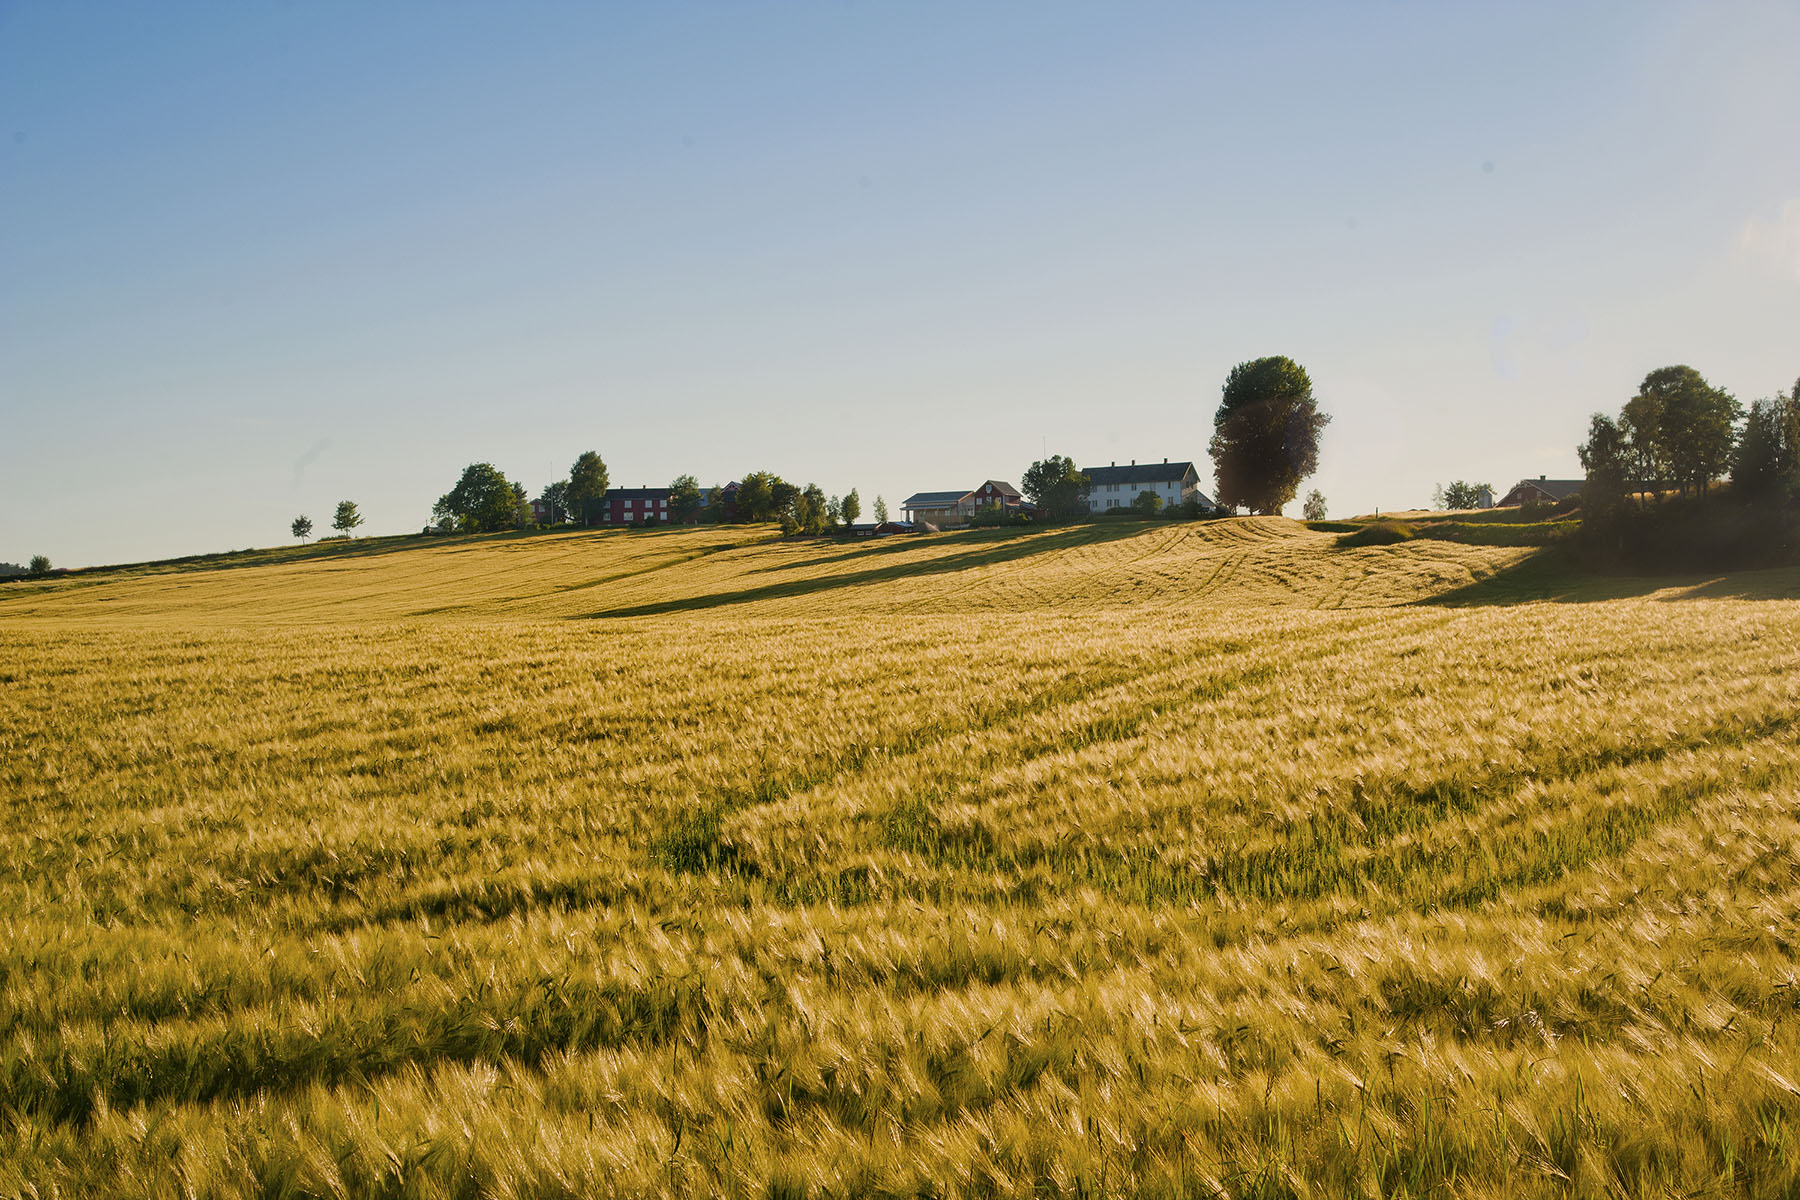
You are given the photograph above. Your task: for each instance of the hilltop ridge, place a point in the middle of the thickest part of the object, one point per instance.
(1260, 561)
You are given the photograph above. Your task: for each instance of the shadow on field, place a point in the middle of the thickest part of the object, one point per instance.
(977, 548)
(1555, 576)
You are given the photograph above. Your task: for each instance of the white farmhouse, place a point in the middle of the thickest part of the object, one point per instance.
(1116, 487)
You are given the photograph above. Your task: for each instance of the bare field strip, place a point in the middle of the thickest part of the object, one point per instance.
(1196, 860)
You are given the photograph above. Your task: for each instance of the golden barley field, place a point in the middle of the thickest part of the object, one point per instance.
(1131, 860)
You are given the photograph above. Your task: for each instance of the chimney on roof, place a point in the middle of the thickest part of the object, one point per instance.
(1134, 462)
(1115, 462)
(1543, 477)
(1165, 462)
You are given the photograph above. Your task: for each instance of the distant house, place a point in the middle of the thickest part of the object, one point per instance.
(1113, 486)
(540, 512)
(1541, 490)
(945, 509)
(629, 506)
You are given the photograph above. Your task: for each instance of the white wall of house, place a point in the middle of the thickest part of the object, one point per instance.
(1105, 496)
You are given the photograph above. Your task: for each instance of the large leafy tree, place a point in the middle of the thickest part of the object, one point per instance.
(347, 518)
(881, 510)
(1767, 463)
(302, 527)
(1265, 434)
(555, 499)
(1057, 487)
(685, 500)
(756, 496)
(587, 484)
(811, 509)
(482, 500)
(1609, 461)
(850, 507)
(1689, 426)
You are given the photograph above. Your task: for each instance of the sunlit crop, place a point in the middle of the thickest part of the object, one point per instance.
(1127, 860)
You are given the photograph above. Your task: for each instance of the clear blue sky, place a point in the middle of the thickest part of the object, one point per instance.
(258, 258)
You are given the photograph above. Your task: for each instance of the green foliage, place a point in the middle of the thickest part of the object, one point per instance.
(850, 507)
(1609, 461)
(1314, 508)
(1266, 434)
(482, 501)
(685, 501)
(1767, 463)
(714, 512)
(588, 482)
(756, 499)
(809, 510)
(1147, 503)
(989, 516)
(302, 527)
(39, 566)
(881, 510)
(1682, 428)
(1460, 494)
(346, 518)
(555, 499)
(1057, 487)
(1377, 533)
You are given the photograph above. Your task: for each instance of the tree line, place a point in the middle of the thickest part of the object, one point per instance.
(484, 501)
(1651, 497)
(1680, 435)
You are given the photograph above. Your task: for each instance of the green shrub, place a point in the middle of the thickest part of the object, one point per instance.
(1377, 533)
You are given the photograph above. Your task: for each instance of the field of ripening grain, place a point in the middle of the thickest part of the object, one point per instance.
(1171, 860)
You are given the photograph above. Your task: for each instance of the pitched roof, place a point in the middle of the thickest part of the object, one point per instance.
(1556, 489)
(645, 493)
(1163, 472)
(1001, 486)
(932, 499)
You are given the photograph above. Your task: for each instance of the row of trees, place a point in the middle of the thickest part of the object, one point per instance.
(1680, 435)
(1265, 442)
(484, 500)
(345, 522)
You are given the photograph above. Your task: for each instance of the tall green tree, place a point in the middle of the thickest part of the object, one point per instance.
(1057, 487)
(850, 507)
(302, 527)
(715, 504)
(881, 510)
(521, 506)
(685, 500)
(1459, 493)
(1767, 463)
(1314, 508)
(347, 518)
(39, 566)
(587, 485)
(482, 501)
(809, 509)
(555, 500)
(1610, 462)
(756, 496)
(1691, 425)
(1265, 434)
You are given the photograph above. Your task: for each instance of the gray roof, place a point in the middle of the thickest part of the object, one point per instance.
(1556, 489)
(933, 499)
(1168, 472)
